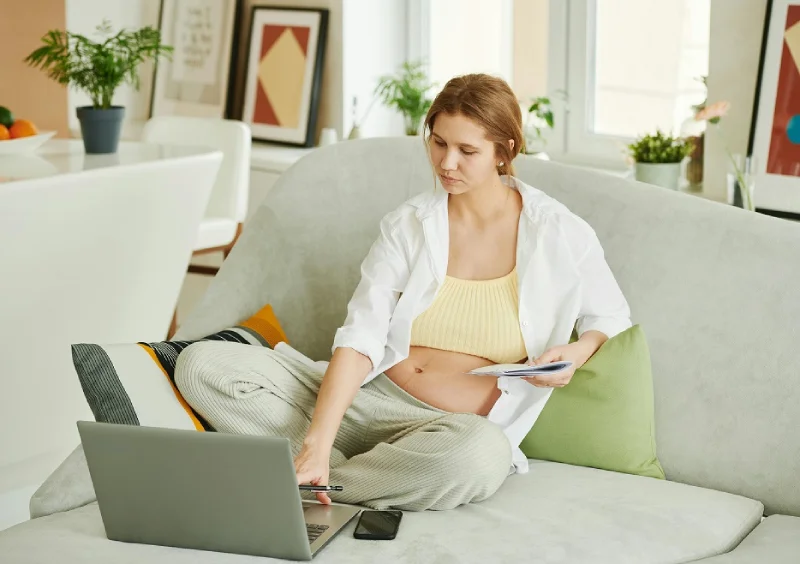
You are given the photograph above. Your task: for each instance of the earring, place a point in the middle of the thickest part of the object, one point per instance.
(500, 163)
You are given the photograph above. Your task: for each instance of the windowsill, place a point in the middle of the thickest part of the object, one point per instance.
(628, 173)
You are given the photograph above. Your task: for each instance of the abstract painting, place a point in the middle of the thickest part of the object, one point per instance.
(195, 81)
(775, 135)
(284, 73)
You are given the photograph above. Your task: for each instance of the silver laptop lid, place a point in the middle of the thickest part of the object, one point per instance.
(207, 491)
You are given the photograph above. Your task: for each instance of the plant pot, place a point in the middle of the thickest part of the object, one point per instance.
(667, 175)
(101, 129)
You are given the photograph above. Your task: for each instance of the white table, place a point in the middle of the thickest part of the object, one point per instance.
(67, 156)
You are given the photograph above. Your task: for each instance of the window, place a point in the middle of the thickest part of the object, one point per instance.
(461, 36)
(633, 66)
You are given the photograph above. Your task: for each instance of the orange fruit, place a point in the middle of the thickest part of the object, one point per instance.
(22, 128)
(4, 134)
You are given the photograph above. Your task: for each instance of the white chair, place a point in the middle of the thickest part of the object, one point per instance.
(227, 208)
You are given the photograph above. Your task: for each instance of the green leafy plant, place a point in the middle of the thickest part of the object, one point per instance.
(407, 92)
(540, 107)
(660, 148)
(540, 117)
(97, 68)
(541, 113)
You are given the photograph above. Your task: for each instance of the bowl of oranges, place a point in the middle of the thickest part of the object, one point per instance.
(19, 135)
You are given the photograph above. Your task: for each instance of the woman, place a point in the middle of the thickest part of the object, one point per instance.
(486, 271)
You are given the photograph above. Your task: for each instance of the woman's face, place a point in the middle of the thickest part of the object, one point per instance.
(461, 155)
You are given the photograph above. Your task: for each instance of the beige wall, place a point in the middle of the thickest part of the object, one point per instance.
(26, 91)
(736, 30)
(530, 48)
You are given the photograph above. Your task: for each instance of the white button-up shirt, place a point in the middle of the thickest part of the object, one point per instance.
(564, 283)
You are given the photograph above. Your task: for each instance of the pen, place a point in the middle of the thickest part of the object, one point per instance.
(309, 488)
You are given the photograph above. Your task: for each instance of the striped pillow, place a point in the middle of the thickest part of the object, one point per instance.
(134, 384)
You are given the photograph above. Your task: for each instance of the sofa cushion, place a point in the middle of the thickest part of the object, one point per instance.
(555, 513)
(134, 383)
(604, 417)
(775, 541)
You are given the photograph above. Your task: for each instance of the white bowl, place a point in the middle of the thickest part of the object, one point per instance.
(24, 144)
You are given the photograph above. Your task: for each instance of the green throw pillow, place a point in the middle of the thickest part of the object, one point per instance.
(604, 417)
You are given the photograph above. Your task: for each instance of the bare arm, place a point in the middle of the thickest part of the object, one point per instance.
(343, 378)
(592, 340)
(358, 347)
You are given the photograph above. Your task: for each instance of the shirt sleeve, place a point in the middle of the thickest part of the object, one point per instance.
(603, 306)
(384, 274)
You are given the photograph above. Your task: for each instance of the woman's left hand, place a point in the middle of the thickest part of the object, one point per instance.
(578, 353)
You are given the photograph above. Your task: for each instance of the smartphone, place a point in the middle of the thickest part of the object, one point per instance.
(378, 525)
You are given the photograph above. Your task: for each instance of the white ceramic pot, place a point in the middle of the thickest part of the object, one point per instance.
(667, 175)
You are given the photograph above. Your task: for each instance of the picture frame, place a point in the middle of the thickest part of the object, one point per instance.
(196, 81)
(283, 73)
(774, 142)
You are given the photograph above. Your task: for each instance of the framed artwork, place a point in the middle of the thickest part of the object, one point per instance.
(775, 132)
(285, 55)
(196, 81)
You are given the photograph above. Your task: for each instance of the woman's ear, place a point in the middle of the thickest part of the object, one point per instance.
(511, 145)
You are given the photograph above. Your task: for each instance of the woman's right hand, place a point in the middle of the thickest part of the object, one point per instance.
(312, 466)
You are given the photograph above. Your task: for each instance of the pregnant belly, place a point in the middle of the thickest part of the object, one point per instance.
(438, 378)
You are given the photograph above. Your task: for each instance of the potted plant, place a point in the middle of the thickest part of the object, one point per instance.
(658, 158)
(407, 91)
(538, 119)
(98, 69)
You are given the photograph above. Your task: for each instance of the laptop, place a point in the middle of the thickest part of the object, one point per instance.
(205, 491)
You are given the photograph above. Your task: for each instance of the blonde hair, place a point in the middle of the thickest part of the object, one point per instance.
(489, 102)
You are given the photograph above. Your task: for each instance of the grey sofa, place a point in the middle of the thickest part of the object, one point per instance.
(714, 287)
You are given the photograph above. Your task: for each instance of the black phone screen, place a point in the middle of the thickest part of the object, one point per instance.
(378, 525)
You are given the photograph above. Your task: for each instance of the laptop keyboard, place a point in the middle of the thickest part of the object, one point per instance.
(314, 531)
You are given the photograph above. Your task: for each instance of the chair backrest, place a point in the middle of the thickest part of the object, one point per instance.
(230, 194)
(97, 256)
(714, 288)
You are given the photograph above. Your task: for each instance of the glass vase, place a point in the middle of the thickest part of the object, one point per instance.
(741, 181)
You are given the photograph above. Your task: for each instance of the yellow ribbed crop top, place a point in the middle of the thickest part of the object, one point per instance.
(477, 317)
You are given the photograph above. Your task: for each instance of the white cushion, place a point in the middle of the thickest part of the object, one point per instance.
(555, 513)
(215, 232)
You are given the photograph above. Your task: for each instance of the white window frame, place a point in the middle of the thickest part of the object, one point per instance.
(569, 62)
(581, 141)
(571, 58)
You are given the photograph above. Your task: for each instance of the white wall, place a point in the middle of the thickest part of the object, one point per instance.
(83, 16)
(736, 30)
(374, 44)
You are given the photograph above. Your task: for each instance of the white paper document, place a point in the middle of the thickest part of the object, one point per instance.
(523, 370)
